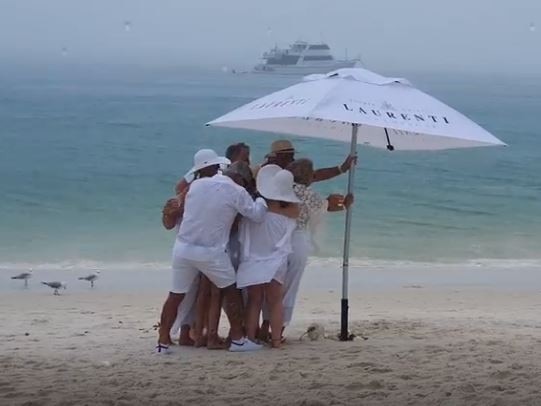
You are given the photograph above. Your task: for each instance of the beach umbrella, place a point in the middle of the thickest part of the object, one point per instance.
(359, 107)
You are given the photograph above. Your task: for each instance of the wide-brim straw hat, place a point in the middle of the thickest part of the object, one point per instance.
(282, 147)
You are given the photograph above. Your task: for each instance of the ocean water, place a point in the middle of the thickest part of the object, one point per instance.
(87, 163)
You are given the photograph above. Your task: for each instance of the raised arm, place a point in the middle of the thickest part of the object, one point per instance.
(329, 173)
(247, 207)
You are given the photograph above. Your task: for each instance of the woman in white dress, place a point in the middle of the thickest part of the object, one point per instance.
(265, 247)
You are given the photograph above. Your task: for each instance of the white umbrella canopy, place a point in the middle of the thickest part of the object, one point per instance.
(390, 113)
(360, 107)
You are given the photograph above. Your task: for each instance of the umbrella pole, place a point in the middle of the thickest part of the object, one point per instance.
(344, 331)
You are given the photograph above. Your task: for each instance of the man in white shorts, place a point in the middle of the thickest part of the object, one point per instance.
(210, 208)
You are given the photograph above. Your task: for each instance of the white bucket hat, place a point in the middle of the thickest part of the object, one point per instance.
(275, 183)
(205, 158)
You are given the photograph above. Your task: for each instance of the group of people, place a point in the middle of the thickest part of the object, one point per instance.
(243, 236)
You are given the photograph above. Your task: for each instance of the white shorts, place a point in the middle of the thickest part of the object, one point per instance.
(218, 269)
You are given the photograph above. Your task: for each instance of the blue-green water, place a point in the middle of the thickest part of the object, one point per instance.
(85, 166)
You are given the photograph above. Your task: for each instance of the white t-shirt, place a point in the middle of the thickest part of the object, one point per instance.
(189, 177)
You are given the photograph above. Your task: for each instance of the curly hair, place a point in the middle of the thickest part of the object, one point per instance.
(302, 170)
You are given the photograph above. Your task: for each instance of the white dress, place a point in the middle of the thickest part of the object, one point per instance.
(265, 247)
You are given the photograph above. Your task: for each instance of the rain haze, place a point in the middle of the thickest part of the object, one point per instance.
(412, 275)
(462, 35)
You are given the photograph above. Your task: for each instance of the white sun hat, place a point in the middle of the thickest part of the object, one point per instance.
(205, 158)
(275, 183)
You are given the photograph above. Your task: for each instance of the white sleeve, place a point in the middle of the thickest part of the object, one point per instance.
(189, 177)
(246, 206)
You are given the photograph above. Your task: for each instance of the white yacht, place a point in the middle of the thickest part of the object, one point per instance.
(302, 58)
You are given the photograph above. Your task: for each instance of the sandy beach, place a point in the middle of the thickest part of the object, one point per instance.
(417, 344)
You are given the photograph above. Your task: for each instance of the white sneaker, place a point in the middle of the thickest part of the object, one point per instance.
(244, 345)
(162, 349)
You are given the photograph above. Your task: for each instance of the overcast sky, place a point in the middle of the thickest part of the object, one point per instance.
(495, 35)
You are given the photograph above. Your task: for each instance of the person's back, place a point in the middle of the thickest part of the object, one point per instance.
(209, 211)
(268, 238)
(211, 207)
(264, 248)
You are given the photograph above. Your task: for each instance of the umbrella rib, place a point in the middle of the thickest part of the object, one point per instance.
(324, 99)
(390, 146)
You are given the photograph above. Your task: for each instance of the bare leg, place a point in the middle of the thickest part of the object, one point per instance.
(253, 310)
(234, 311)
(201, 313)
(263, 333)
(273, 295)
(169, 314)
(214, 342)
(228, 339)
(185, 338)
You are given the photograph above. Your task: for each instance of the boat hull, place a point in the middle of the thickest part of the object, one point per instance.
(303, 69)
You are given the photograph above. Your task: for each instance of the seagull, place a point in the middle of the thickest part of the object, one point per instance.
(56, 285)
(24, 276)
(90, 278)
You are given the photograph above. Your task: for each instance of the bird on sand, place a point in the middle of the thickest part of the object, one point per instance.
(90, 278)
(24, 277)
(56, 285)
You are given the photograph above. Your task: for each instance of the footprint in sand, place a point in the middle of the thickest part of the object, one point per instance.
(39, 321)
(373, 385)
(381, 370)
(312, 402)
(364, 365)
(352, 350)
(496, 388)
(501, 374)
(234, 362)
(317, 385)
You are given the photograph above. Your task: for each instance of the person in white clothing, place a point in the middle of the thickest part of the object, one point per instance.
(311, 209)
(283, 154)
(201, 294)
(265, 247)
(202, 303)
(195, 320)
(210, 208)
